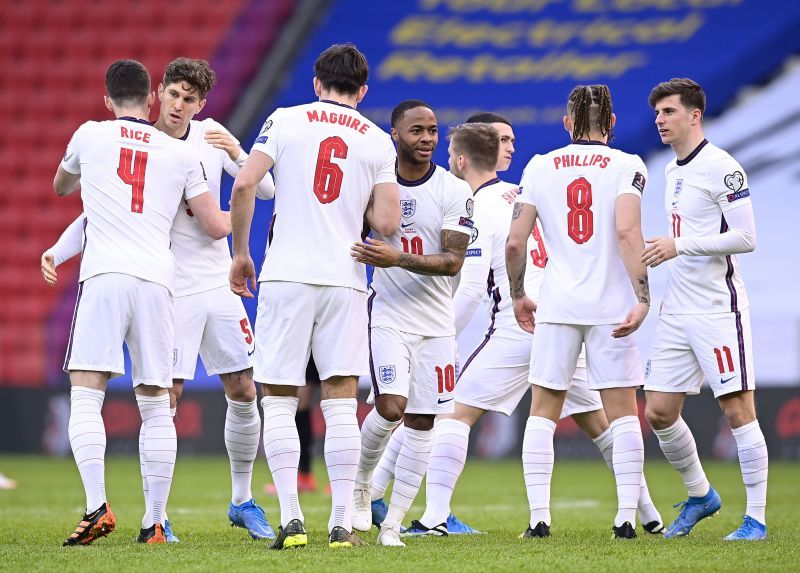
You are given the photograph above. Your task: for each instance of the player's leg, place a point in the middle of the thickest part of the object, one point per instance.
(305, 477)
(340, 349)
(672, 372)
(285, 322)
(384, 474)
(553, 357)
(389, 371)
(94, 352)
(614, 368)
(726, 356)
(150, 341)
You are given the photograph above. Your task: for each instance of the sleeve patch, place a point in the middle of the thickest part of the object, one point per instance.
(261, 139)
(734, 181)
(639, 182)
(466, 222)
(738, 195)
(473, 252)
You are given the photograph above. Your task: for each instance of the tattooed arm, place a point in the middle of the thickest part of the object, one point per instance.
(628, 216)
(523, 220)
(446, 263)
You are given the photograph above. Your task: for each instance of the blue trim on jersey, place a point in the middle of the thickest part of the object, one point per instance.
(693, 154)
(494, 294)
(369, 343)
(482, 185)
(336, 103)
(588, 142)
(136, 120)
(418, 182)
(735, 310)
(185, 136)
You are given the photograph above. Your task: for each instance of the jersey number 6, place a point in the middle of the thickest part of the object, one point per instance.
(328, 176)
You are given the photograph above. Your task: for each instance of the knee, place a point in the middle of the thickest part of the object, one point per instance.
(239, 386)
(390, 408)
(660, 418)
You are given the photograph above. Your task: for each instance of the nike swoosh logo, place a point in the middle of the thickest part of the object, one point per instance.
(445, 401)
(251, 352)
(404, 225)
(723, 381)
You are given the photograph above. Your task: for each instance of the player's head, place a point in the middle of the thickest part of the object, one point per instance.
(504, 130)
(183, 91)
(473, 149)
(341, 69)
(680, 105)
(589, 113)
(415, 130)
(128, 86)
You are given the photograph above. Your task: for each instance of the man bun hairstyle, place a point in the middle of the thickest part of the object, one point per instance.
(404, 106)
(197, 73)
(590, 108)
(488, 117)
(342, 68)
(127, 83)
(478, 142)
(692, 95)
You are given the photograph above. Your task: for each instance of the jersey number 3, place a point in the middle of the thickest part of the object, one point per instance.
(328, 176)
(580, 219)
(131, 170)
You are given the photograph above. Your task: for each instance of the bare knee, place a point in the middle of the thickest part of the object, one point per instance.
(420, 422)
(391, 407)
(739, 408)
(239, 386)
(662, 409)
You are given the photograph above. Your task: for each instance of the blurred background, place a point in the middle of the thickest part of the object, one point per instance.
(519, 58)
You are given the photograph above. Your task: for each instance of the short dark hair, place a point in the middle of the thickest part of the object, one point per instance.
(479, 142)
(196, 73)
(342, 68)
(590, 107)
(127, 82)
(488, 117)
(404, 106)
(692, 95)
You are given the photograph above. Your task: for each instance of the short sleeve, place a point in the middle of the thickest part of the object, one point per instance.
(459, 207)
(527, 187)
(728, 186)
(269, 137)
(196, 180)
(72, 159)
(633, 178)
(479, 251)
(386, 172)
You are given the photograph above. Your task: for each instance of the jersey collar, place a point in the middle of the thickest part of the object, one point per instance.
(489, 182)
(693, 154)
(420, 181)
(185, 136)
(135, 120)
(330, 101)
(588, 142)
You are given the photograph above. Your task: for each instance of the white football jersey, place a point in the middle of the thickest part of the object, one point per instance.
(328, 157)
(574, 190)
(414, 303)
(486, 254)
(202, 263)
(133, 180)
(700, 190)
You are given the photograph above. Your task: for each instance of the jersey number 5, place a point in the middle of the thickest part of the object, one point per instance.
(580, 219)
(328, 176)
(131, 170)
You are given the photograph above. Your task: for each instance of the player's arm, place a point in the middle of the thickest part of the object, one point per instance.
(447, 263)
(523, 219)
(66, 183)
(215, 222)
(235, 159)
(68, 245)
(628, 217)
(471, 287)
(383, 210)
(242, 207)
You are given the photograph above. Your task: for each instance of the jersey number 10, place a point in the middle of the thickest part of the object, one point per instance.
(131, 170)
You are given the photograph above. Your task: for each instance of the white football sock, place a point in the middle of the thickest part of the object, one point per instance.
(679, 448)
(448, 456)
(342, 448)
(148, 516)
(537, 463)
(375, 434)
(384, 473)
(87, 436)
(160, 448)
(753, 459)
(628, 458)
(282, 448)
(242, 432)
(409, 471)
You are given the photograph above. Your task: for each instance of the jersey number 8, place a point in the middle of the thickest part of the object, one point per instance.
(580, 219)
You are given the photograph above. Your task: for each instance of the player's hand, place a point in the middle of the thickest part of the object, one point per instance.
(632, 322)
(223, 140)
(376, 253)
(525, 313)
(659, 250)
(49, 268)
(242, 270)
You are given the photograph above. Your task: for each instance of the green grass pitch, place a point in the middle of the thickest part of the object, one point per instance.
(37, 516)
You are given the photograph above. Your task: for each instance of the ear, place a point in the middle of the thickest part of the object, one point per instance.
(201, 105)
(151, 99)
(395, 136)
(362, 91)
(613, 120)
(317, 87)
(697, 116)
(160, 92)
(109, 104)
(567, 121)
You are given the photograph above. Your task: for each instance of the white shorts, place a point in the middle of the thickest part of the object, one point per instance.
(113, 308)
(213, 323)
(610, 362)
(691, 348)
(295, 319)
(419, 368)
(495, 376)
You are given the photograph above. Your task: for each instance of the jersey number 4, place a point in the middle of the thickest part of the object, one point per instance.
(580, 219)
(328, 176)
(131, 170)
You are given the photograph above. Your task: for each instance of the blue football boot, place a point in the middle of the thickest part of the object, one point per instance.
(251, 517)
(750, 530)
(692, 511)
(171, 537)
(457, 527)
